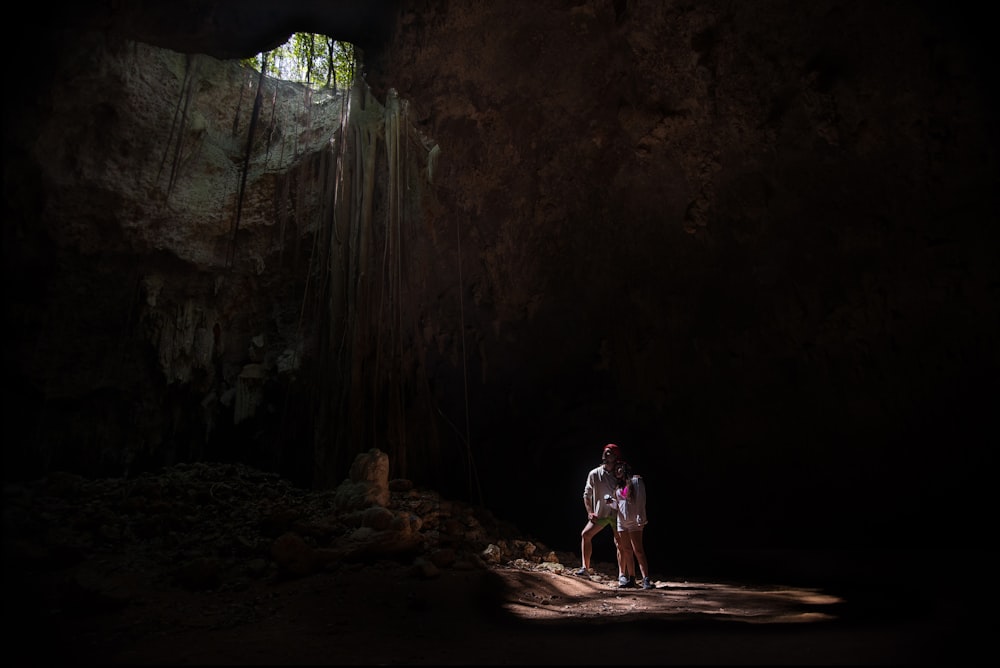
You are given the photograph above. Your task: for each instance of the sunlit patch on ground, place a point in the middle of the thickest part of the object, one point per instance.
(538, 594)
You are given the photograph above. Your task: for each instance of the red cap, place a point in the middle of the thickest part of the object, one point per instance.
(609, 446)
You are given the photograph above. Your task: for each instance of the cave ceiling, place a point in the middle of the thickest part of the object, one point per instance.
(227, 29)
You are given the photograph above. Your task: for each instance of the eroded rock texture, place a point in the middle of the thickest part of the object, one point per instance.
(753, 243)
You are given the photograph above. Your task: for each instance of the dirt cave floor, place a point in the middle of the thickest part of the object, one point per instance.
(383, 613)
(128, 572)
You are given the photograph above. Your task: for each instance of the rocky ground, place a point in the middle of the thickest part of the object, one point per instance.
(223, 564)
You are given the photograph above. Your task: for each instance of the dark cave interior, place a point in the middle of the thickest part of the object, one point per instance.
(870, 437)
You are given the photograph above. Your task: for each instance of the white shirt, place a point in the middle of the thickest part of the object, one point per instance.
(600, 483)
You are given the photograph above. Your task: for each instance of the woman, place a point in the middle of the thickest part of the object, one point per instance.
(630, 495)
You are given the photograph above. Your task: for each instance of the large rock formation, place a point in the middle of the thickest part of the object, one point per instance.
(752, 243)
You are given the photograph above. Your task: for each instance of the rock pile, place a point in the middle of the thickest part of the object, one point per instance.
(211, 526)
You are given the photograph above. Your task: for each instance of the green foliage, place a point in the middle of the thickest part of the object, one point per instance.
(315, 60)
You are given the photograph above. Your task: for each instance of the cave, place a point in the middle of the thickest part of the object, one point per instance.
(754, 245)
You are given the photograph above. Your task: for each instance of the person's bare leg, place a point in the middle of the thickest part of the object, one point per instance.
(626, 565)
(587, 542)
(635, 539)
(618, 552)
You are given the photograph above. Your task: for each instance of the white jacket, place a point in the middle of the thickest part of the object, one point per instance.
(632, 512)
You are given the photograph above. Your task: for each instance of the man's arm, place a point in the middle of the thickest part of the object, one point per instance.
(588, 495)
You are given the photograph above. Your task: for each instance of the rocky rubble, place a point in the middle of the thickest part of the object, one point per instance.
(219, 526)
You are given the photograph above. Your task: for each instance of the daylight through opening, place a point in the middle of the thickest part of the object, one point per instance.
(309, 59)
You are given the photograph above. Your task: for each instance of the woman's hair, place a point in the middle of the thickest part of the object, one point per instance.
(623, 478)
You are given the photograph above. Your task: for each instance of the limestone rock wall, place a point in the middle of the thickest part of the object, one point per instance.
(162, 266)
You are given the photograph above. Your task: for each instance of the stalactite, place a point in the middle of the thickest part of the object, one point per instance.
(282, 198)
(249, 392)
(258, 101)
(179, 122)
(332, 266)
(271, 125)
(239, 105)
(364, 372)
(392, 282)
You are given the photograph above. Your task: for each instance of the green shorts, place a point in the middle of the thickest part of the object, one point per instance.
(606, 522)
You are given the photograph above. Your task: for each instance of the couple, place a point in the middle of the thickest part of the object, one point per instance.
(616, 498)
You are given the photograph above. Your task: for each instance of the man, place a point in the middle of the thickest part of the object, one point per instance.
(598, 500)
